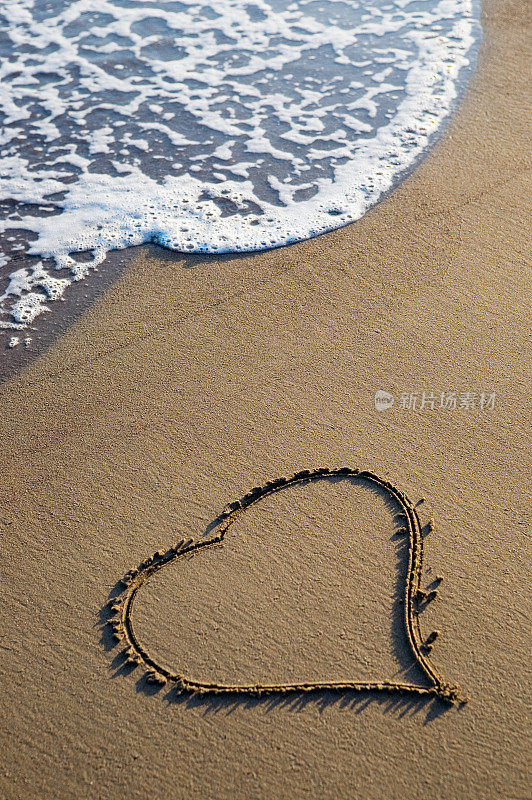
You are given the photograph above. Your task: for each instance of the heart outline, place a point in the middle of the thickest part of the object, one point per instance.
(137, 654)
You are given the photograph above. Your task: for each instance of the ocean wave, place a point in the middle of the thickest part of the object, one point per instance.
(234, 126)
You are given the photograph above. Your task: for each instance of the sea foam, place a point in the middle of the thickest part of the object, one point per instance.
(238, 125)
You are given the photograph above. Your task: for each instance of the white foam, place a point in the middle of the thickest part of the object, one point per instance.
(237, 126)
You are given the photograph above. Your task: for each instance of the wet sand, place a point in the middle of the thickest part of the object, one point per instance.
(194, 379)
(49, 327)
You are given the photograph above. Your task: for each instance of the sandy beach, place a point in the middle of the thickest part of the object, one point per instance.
(194, 379)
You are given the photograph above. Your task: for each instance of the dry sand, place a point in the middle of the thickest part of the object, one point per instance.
(192, 380)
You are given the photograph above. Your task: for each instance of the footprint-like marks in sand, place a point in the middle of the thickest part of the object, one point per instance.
(121, 606)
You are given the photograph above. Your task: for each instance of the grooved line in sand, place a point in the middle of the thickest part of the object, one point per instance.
(137, 654)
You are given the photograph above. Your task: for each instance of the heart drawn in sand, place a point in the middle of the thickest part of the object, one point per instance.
(136, 653)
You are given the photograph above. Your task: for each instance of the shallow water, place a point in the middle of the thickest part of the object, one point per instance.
(229, 126)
